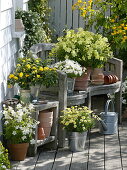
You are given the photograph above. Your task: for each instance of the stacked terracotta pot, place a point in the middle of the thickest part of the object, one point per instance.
(109, 79)
(46, 119)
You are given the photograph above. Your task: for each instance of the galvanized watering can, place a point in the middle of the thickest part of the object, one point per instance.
(109, 120)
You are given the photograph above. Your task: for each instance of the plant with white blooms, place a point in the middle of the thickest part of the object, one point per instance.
(19, 126)
(70, 67)
(124, 91)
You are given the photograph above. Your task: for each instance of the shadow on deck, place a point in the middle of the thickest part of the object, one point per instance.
(102, 152)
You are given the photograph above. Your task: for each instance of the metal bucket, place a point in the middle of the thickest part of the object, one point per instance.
(77, 141)
(110, 119)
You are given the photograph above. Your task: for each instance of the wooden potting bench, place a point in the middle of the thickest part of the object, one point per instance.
(113, 66)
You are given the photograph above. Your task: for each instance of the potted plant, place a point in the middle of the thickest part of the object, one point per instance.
(77, 121)
(73, 69)
(29, 72)
(19, 27)
(34, 29)
(19, 127)
(90, 50)
(4, 161)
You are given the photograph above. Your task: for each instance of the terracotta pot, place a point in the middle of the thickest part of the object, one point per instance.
(41, 134)
(97, 76)
(115, 78)
(18, 151)
(19, 27)
(46, 119)
(108, 79)
(81, 83)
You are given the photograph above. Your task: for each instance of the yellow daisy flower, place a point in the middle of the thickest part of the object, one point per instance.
(34, 67)
(41, 69)
(21, 74)
(28, 66)
(11, 76)
(125, 28)
(27, 75)
(38, 76)
(46, 68)
(15, 77)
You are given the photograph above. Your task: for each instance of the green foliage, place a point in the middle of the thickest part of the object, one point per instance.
(78, 119)
(18, 14)
(4, 161)
(112, 24)
(33, 29)
(87, 48)
(42, 8)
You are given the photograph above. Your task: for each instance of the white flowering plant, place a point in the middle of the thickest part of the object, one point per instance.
(19, 126)
(70, 67)
(124, 91)
(78, 119)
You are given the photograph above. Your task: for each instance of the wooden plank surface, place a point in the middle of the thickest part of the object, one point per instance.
(112, 153)
(102, 152)
(75, 21)
(96, 151)
(123, 144)
(63, 15)
(45, 161)
(63, 159)
(69, 14)
(57, 16)
(28, 164)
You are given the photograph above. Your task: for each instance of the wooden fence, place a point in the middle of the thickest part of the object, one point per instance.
(63, 16)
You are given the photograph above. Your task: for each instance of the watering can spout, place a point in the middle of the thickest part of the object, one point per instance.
(104, 126)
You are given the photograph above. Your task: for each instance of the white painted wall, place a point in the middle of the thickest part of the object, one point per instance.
(9, 45)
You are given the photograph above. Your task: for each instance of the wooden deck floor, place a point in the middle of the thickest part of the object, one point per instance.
(102, 152)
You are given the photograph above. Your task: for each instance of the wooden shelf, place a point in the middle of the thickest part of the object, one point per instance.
(46, 140)
(51, 140)
(104, 89)
(76, 98)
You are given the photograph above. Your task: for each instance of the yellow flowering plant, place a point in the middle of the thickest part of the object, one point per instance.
(78, 119)
(85, 47)
(31, 71)
(4, 160)
(108, 17)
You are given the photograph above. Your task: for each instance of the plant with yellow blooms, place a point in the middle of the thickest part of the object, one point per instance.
(4, 160)
(84, 47)
(78, 119)
(108, 17)
(32, 71)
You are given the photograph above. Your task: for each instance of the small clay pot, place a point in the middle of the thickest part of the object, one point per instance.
(41, 134)
(108, 79)
(115, 78)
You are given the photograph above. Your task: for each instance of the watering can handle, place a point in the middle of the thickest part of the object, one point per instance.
(107, 106)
